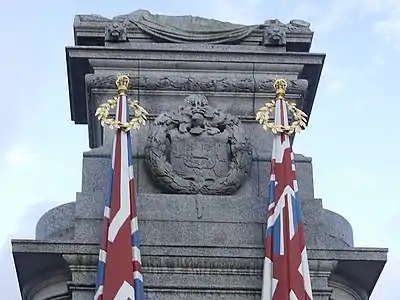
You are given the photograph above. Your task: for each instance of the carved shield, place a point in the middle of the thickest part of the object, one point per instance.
(203, 158)
(198, 149)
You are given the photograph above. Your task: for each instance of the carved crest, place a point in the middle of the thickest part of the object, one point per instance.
(198, 150)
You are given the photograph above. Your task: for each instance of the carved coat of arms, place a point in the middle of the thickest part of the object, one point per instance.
(198, 150)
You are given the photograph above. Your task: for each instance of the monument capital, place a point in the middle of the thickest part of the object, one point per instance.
(141, 25)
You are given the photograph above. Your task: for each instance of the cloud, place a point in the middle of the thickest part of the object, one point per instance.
(236, 11)
(18, 157)
(387, 22)
(336, 14)
(383, 15)
(389, 28)
(326, 16)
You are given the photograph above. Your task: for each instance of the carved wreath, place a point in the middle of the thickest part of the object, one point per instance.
(213, 123)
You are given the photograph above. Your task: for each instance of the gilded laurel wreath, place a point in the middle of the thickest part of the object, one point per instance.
(298, 124)
(139, 117)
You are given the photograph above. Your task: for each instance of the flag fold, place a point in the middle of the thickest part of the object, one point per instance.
(119, 275)
(286, 272)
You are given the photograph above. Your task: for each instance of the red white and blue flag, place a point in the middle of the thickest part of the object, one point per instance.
(286, 272)
(119, 275)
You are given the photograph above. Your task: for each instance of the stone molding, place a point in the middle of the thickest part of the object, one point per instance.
(340, 283)
(243, 83)
(43, 281)
(345, 288)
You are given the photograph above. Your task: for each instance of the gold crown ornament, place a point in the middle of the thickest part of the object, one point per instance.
(264, 113)
(139, 113)
(280, 86)
(122, 83)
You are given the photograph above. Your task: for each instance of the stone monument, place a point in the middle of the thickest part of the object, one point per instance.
(201, 164)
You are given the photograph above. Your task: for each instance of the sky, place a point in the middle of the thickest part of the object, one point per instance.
(351, 133)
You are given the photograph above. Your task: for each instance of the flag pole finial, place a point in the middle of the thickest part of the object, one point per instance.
(139, 113)
(263, 115)
(280, 86)
(122, 83)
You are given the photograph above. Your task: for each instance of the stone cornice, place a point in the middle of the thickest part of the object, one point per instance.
(76, 248)
(163, 67)
(248, 260)
(241, 83)
(189, 52)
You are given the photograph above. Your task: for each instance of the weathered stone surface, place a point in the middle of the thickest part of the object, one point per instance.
(116, 32)
(274, 34)
(240, 83)
(227, 271)
(57, 224)
(233, 76)
(202, 226)
(198, 149)
(187, 29)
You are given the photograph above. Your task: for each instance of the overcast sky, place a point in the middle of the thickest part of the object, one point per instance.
(352, 133)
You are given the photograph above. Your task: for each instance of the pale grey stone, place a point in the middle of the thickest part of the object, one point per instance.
(116, 32)
(226, 271)
(274, 33)
(57, 224)
(198, 245)
(187, 29)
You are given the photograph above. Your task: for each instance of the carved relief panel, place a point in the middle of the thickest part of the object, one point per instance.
(198, 150)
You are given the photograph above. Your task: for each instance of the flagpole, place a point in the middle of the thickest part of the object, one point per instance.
(286, 273)
(119, 274)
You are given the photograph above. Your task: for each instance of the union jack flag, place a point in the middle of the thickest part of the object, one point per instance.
(286, 273)
(119, 275)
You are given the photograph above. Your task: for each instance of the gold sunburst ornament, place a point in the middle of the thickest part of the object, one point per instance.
(139, 113)
(263, 115)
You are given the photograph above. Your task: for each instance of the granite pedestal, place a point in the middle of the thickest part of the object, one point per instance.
(201, 243)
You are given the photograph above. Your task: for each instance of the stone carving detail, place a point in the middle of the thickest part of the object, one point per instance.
(298, 26)
(186, 29)
(198, 150)
(274, 33)
(116, 32)
(191, 29)
(238, 84)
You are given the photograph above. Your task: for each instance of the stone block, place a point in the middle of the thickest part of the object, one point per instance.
(197, 234)
(57, 224)
(95, 172)
(88, 230)
(90, 205)
(177, 294)
(303, 172)
(201, 208)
